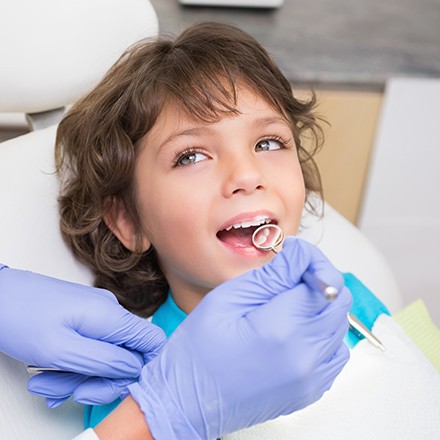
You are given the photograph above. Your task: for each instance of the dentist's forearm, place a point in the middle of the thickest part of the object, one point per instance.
(127, 421)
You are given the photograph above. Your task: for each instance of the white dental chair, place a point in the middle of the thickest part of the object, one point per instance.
(52, 52)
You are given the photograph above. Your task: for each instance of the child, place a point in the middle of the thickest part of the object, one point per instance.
(158, 89)
(173, 160)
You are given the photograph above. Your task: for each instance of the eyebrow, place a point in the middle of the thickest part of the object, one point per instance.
(206, 130)
(270, 120)
(193, 131)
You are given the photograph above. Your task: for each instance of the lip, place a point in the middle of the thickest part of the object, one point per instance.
(243, 250)
(248, 217)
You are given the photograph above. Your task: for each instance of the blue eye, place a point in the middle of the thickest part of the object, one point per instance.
(269, 145)
(189, 158)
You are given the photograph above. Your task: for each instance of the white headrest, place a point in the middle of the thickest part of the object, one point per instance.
(54, 51)
(30, 236)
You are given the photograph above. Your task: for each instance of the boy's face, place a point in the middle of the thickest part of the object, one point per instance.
(201, 185)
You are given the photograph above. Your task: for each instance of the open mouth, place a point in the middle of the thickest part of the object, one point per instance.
(240, 234)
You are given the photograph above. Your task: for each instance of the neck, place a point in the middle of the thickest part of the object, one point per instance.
(187, 299)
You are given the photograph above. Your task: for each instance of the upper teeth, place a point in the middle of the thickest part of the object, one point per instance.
(256, 222)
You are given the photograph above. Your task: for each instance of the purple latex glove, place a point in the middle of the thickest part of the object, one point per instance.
(259, 346)
(83, 330)
(56, 387)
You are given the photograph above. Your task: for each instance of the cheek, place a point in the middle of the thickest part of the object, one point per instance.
(294, 198)
(170, 214)
(295, 210)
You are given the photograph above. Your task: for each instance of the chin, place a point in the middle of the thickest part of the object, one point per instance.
(246, 268)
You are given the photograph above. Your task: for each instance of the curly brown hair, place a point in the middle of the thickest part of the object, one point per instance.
(98, 140)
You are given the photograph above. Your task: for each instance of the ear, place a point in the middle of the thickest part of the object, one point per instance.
(119, 221)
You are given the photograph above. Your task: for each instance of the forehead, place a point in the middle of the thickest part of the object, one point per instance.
(246, 104)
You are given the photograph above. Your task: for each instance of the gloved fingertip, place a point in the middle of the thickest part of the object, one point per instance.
(124, 393)
(33, 386)
(149, 356)
(53, 403)
(152, 342)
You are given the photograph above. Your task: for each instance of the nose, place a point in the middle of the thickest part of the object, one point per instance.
(243, 175)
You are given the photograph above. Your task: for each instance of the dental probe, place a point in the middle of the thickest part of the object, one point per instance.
(33, 369)
(330, 292)
(360, 328)
(268, 237)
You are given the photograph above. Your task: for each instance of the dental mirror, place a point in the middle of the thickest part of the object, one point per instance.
(267, 237)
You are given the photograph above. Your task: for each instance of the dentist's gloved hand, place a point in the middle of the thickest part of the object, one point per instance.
(52, 323)
(258, 346)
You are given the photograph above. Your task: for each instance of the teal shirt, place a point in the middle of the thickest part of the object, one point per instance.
(168, 316)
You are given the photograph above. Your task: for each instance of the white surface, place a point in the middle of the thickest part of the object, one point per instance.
(13, 120)
(53, 51)
(87, 435)
(24, 416)
(30, 236)
(378, 396)
(401, 210)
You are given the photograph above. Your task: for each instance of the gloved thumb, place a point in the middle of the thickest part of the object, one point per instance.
(284, 272)
(287, 269)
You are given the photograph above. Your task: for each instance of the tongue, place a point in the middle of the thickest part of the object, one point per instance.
(241, 237)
